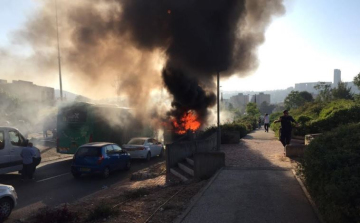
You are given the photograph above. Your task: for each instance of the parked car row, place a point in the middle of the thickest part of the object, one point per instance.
(102, 158)
(92, 158)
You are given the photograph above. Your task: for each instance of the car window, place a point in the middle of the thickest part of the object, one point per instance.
(2, 140)
(156, 142)
(88, 151)
(150, 141)
(109, 149)
(117, 148)
(16, 139)
(136, 141)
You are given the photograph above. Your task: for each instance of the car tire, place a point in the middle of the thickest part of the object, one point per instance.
(106, 173)
(76, 175)
(162, 152)
(6, 206)
(148, 157)
(128, 165)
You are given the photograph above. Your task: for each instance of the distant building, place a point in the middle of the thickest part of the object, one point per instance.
(309, 87)
(239, 100)
(337, 77)
(260, 98)
(28, 91)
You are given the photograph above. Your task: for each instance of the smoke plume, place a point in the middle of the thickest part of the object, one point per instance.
(147, 43)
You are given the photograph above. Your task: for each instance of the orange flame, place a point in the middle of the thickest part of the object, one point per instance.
(187, 122)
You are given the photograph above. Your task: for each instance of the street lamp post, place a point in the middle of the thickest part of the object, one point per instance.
(58, 48)
(218, 113)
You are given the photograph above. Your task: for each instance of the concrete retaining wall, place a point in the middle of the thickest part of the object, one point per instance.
(294, 150)
(206, 164)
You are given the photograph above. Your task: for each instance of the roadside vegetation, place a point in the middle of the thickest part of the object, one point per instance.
(331, 163)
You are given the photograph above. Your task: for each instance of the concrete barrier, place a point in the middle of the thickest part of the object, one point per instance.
(207, 163)
(179, 151)
(311, 137)
(294, 150)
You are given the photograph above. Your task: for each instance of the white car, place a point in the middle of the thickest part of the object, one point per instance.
(144, 148)
(11, 144)
(8, 200)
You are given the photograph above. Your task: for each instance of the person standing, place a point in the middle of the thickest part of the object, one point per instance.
(266, 122)
(37, 156)
(286, 128)
(27, 155)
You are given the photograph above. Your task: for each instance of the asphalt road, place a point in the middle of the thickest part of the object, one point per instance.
(54, 185)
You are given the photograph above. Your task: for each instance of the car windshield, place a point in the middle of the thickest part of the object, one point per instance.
(89, 151)
(136, 141)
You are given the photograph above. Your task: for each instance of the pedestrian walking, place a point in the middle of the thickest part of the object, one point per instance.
(27, 155)
(266, 122)
(286, 128)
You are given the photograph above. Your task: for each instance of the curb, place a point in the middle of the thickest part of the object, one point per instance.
(194, 200)
(308, 196)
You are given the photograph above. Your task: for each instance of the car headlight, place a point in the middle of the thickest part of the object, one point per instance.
(11, 188)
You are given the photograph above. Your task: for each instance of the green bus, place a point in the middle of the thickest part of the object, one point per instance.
(80, 123)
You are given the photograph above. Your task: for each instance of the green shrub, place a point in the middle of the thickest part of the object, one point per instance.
(331, 169)
(229, 137)
(235, 127)
(335, 119)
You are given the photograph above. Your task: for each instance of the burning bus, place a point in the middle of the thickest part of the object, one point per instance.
(80, 122)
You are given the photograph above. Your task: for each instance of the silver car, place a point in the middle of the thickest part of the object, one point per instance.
(144, 148)
(8, 200)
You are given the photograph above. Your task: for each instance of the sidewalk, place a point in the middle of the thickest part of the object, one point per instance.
(256, 186)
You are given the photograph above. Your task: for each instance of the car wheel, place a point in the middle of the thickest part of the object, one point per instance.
(128, 165)
(76, 175)
(162, 152)
(106, 173)
(148, 156)
(6, 206)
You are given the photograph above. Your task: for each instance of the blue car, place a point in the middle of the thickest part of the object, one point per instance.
(99, 158)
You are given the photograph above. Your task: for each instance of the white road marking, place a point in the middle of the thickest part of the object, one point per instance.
(52, 177)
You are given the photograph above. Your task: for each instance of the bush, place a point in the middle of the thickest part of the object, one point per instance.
(101, 211)
(332, 173)
(59, 215)
(235, 127)
(335, 119)
(229, 137)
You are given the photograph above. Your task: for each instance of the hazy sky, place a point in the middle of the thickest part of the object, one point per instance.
(305, 45)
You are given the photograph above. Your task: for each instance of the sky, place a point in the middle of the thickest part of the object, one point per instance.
(305, 45)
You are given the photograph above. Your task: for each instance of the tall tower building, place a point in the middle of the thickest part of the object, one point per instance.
(337, 77)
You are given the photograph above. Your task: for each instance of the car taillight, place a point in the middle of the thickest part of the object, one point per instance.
(101, 158)
(90, 138)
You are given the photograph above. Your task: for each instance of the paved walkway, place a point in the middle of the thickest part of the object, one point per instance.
(256, 186)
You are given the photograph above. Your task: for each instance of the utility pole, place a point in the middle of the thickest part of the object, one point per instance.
(218, 113)
(58, 46)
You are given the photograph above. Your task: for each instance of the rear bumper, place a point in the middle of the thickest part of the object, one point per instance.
(79, 169)
(140, 154)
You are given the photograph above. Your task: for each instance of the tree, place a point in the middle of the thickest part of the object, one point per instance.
(357, 80)
(306, 96)
(266, 108)
(294, 100)
(324, 91)
(252, 109)
(342, 92)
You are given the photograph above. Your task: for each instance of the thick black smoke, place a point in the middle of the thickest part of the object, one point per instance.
(200, 38)
(103, 39)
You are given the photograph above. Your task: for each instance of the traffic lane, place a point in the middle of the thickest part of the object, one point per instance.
(43, 171)
(64, 188)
